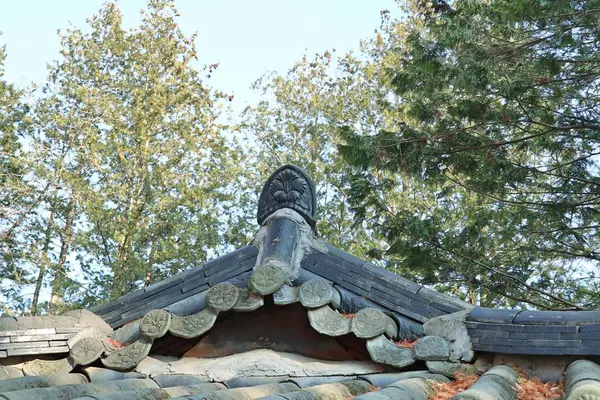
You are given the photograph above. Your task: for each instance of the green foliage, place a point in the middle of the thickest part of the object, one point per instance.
(296, 123)
(499, 140)
(145, 160)
(122, 174)
(17, 197)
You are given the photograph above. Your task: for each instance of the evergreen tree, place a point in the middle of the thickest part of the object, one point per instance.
(17, 198)
(144, 167)
(500, 137)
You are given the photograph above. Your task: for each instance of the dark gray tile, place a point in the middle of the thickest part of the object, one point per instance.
(493, 315)
(534, 335)
(553, 343)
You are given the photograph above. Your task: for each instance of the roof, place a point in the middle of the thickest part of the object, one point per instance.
(534, 332)
(499, 382)
(182, 292)
(287, 317)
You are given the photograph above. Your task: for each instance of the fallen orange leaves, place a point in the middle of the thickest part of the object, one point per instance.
(407, 344)
(528, 388)
(534, 389)
(444, 391)
(115, 344)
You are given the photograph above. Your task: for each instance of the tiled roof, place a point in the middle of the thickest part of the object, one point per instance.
(582, 382)
(383, 287)
(366, 313)
(410, 304)
(93, 384)
(21, 336)
(172, 292)
(534, 332)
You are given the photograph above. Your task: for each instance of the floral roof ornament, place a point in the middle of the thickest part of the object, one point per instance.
(288, 187)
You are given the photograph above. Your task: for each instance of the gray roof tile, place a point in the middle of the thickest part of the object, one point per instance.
(134, 305)
(542, 332)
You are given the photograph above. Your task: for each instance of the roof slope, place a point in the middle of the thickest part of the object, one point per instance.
(534, 332)
(170, 293)
(361, 278)
(381, 286)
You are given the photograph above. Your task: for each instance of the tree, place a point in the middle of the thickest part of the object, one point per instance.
(134, 134)
(29, 213)
(17, 199)
(499, 139)
(296, 121)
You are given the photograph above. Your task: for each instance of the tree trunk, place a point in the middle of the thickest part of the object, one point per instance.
(149, 276)
(123, 274)
(59, 273)
(44, 262)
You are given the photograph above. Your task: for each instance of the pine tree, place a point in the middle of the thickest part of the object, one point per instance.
(143, 161)
(18, 200)
(499, 134)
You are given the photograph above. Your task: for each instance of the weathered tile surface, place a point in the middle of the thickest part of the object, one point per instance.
(534, 332)
(177, 288)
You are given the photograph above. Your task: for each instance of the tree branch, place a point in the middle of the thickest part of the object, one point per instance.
(506, 275)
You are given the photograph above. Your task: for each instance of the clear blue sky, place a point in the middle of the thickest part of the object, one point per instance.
(246, 37)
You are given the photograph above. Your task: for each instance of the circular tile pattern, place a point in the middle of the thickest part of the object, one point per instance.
(266, 279)
(315, 293)
(86, 351)
(222, 296)
(369, 322)
(155, 323)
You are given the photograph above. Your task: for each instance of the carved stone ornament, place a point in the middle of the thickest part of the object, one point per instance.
(369, 322)
(47, 367)
(288, 187)
(193, 325)
(86, 351)
(327, 321)
(155, 323)
(128, 357)
(248, 301)
(384, 351)
(222, 296)
(266, 279)
(432, 348)
(315, 293)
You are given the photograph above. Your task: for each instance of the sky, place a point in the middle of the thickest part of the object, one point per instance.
(247, 38)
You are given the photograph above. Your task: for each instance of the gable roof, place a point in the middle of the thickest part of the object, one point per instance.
(361, 284)
(409, 300)
(287, 265)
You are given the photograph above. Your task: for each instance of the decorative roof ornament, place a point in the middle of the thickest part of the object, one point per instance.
(288, 187)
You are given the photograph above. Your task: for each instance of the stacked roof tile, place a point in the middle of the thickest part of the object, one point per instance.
(535, 332)
(172, 291)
